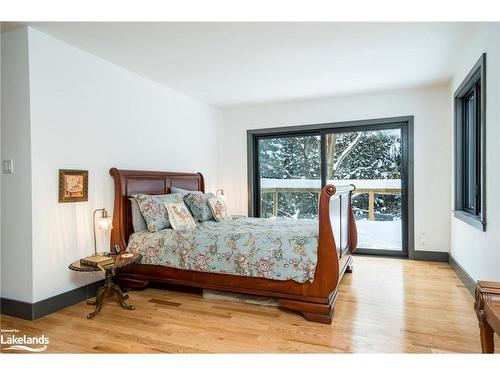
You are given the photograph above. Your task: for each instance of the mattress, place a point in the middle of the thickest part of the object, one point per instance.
(276, 249)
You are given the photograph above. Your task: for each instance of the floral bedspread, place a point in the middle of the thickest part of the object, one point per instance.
(279, 249)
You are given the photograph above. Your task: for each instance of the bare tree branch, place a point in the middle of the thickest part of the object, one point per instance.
(347, 150)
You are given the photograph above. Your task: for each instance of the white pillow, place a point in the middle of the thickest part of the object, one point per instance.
(179, 216)
(219, 209)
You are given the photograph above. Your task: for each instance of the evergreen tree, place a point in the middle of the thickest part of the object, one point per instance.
(349, 155)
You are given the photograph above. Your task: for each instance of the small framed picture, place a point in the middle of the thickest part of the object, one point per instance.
(73, 185)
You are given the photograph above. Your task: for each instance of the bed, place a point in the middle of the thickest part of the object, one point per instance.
(298, 262)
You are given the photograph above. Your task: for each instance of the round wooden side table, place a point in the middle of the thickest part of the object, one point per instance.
(109, 289)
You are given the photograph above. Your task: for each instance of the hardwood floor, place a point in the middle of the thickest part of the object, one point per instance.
(385, 305)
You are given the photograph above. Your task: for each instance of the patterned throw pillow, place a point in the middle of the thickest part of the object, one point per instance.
(153, 209)
(198, 204)
(179, 216)
(219, 209)
(176, 190)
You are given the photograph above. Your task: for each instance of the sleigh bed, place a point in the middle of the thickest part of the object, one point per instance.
(314, 298)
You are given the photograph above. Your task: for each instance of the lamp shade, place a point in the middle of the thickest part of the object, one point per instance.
(220, 194)
(105, 223)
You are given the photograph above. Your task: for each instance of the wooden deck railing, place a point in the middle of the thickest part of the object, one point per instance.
(370, 191)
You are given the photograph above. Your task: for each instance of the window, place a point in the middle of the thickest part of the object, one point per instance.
(288, 167)
(289, 176)
(470, 147)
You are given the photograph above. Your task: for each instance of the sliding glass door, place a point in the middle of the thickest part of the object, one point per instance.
(370, 160)
(289, 168)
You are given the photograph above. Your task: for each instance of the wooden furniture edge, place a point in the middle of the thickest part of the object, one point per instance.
(492, 287)
(486, 294)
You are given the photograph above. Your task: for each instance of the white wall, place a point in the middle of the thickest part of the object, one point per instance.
(432, 145)
(476, 251)
(87, 113)
(16, 245)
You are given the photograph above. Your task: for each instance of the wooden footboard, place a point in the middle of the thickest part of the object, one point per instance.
(337, 240)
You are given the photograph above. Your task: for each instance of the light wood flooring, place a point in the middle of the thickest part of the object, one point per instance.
(385, 305)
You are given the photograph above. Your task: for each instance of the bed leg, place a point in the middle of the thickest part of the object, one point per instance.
(127, 283)
(313, 312)
(325, 319)
(349, 265)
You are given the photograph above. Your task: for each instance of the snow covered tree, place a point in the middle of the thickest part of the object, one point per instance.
(290, 158)
(364, 155)
(349, 155)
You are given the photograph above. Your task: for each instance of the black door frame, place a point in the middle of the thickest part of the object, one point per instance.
(405, 123)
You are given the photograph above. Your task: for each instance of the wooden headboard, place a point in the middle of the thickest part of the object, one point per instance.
(133, 182)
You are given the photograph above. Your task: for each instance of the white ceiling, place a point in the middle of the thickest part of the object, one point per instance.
(228, 64)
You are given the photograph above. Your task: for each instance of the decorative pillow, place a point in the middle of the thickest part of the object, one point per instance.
(198, 204)
(153, 209)
(179, 216)
(138, 221)
(219, 209)
(176, 190)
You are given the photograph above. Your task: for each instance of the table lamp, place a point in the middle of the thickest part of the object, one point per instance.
(104, 223)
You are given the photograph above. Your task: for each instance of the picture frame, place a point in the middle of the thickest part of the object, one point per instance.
(73, 185)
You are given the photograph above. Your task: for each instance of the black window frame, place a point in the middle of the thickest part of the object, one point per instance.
(470, 160)
(405, 123)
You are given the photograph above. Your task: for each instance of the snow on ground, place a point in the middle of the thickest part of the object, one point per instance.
(384, 235)
(371, 234)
